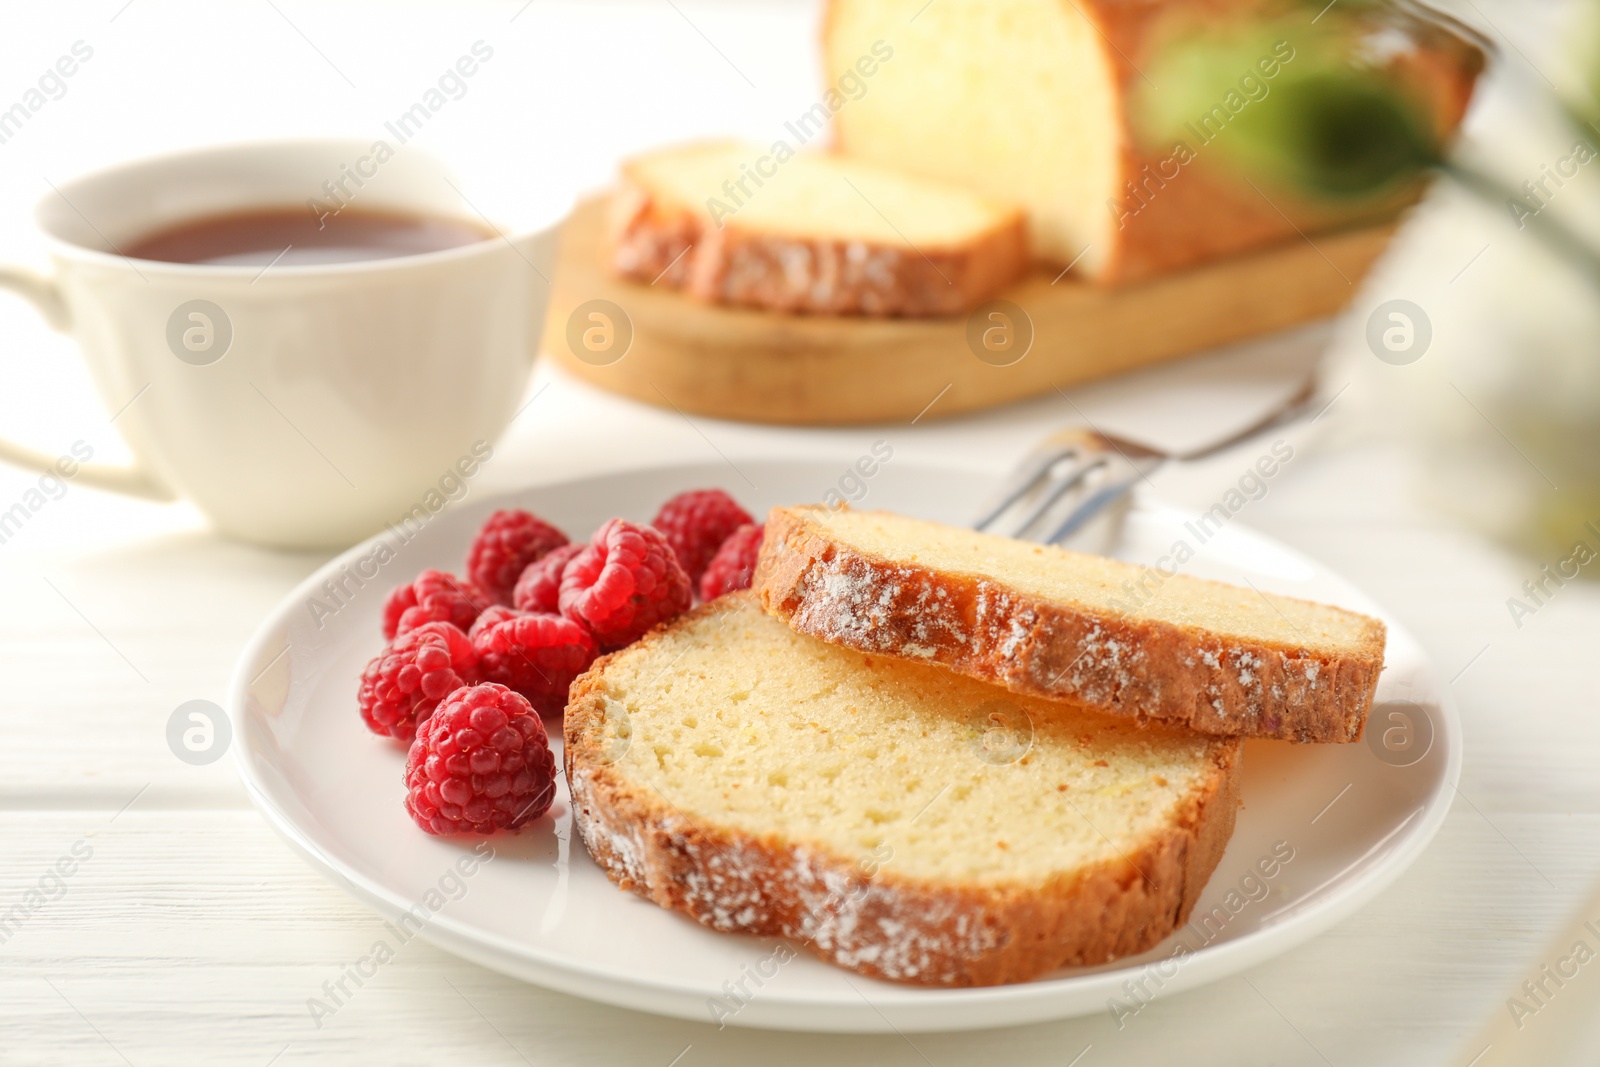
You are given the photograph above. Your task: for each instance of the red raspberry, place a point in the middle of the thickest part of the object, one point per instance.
(537, 656)
(491, 617)
(434, 597)
(539, 588)
(405, 682)
(508, 542)
(696, 523)
(624, 582)
(734, 564)
(480, 763)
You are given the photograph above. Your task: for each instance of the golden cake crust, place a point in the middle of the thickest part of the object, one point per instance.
(655, 241)
(1120, 664)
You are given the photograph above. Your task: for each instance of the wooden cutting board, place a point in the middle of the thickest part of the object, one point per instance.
(655, 345)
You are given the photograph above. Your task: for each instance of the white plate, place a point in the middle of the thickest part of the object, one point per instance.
(1353, 816)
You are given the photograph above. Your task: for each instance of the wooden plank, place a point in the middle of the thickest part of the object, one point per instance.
(816, 370)
(98, 649)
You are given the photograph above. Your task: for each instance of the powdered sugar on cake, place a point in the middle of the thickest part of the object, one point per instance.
(1125, 663)
(877, 926)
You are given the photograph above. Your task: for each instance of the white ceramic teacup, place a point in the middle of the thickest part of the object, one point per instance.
(298, 406)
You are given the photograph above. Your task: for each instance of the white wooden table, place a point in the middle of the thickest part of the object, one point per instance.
(192, 934)
(188, 933)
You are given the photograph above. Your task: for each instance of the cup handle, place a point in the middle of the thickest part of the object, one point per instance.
(132, 481)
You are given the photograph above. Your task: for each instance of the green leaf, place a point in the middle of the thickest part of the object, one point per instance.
(1333, 134)
(1288, 103)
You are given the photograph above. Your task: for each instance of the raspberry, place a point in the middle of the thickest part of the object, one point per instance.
(405, 682)
(508, 542)
(434, 597)
(696, 523)
(537, 656)
(491, 617)
(734, 564)
(480, 763)
(539, 588)
(624, 582)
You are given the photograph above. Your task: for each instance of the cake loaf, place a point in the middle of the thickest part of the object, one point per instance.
(1034, 102)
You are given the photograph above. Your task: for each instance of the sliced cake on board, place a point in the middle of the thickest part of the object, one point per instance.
(809, 231)
(1036, 102)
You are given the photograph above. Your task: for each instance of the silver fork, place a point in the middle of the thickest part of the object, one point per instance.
(1073, 488)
